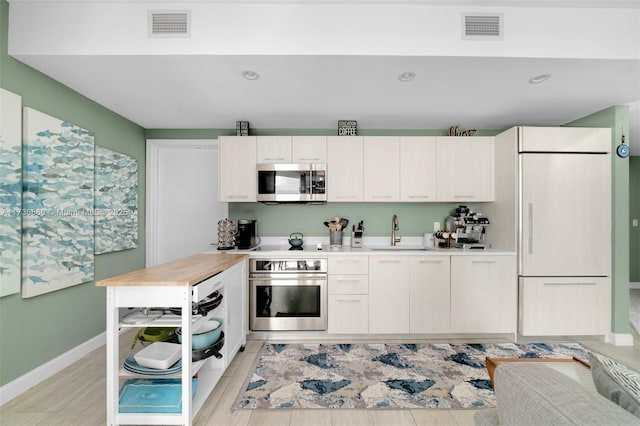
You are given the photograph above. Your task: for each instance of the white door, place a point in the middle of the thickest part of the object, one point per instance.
(566, 215)
(182, 199)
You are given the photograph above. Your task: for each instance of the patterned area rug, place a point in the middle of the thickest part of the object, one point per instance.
(383, 375)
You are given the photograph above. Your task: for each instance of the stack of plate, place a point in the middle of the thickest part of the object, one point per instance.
(132, 366)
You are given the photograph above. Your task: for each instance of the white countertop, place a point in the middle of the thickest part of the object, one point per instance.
(409, 245)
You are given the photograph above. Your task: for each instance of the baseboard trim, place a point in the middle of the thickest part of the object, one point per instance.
(619, 339)
(25, 382)
(634, 285)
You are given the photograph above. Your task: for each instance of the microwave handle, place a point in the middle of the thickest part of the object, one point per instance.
(311, 173)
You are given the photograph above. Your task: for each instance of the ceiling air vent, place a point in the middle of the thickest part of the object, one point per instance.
(479, 26)
(169, 23)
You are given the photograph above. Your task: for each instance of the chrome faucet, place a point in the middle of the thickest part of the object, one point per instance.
(394, 228)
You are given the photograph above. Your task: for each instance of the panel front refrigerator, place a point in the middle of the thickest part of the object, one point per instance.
(564, 231)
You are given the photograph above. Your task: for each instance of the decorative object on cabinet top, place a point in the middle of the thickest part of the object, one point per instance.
(242, 128)
(347, 128)
(457, 131)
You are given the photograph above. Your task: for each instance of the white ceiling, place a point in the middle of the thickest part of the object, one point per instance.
(303, 91)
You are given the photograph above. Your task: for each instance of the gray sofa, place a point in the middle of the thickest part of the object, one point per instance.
(533, 394)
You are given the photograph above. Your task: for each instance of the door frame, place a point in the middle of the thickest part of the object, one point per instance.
(154, 148)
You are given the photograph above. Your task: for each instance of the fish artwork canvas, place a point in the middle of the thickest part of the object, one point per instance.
(116, 214)
(10, 191)
(57, 204)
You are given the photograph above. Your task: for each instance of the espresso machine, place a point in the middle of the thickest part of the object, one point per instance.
(467, 229)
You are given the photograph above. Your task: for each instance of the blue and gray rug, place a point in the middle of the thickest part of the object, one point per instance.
(383, 375)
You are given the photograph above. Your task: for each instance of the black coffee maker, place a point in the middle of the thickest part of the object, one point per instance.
(247, 234)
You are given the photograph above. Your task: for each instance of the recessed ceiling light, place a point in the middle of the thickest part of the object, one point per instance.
(407, 76)
(539, 78)
(250, 75)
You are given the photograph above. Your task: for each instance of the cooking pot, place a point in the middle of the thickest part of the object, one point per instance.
(295, 239)
(202, 307)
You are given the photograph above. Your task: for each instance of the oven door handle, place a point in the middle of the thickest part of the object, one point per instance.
(289, 281)
(289, 277)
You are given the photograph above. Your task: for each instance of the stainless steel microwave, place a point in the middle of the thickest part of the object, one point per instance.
(292, 183)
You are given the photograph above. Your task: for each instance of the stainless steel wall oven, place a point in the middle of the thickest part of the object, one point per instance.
(288, 294)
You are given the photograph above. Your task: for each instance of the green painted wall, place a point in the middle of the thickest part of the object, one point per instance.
(36, 330)
(617, 118)
(414, 218)
(634, 210)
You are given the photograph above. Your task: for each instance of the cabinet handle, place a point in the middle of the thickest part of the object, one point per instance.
(431, 261)
(483, 261)
(348, 300)
(389, 261)
(274, 158)
(569, 283)
(239, 196)
(381, 196)
(310, 159)
(419, 196)
(464, 196)
(530, 228)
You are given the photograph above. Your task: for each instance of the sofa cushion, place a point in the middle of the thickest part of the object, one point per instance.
(533, 394)
(616, 382)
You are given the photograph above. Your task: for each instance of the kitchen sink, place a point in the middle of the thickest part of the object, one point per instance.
(399, 248)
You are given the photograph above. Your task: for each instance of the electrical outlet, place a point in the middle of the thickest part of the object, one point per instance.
(634, 223)
(436, 226)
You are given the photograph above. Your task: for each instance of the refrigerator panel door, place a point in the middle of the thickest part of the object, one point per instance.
(564, 139)
(565, 212)
(564, 306)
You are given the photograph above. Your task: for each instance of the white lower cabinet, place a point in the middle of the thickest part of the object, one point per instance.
(389, 294)
(429, 294)
(483, 294)
(422, 294)
(348, 313)
(552, 306)
(348, 288)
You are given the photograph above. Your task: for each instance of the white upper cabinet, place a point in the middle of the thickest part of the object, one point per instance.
(273, 149)
(308, 149)
(465, 169)
(418, 168)
(344, 168)
(237, 168)
(381, 168)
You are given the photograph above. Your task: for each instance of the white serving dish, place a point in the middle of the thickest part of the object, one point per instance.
(160, 355)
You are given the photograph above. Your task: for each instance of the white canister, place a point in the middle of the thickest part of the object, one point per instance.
(428, 241)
